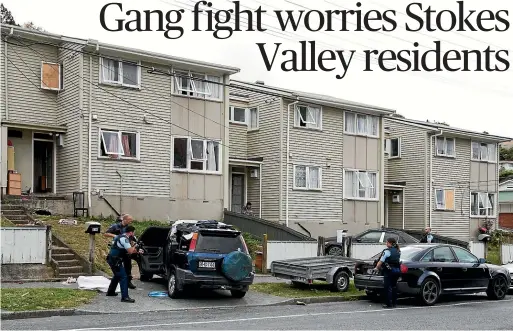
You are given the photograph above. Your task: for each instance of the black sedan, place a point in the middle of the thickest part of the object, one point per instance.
(431, 270)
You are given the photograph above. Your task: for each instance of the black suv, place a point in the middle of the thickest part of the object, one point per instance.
(197, 254)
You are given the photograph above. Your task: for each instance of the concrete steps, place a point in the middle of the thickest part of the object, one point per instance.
(65, 263)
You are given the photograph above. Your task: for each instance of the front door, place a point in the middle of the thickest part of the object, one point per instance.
(237, 192)
(43, 166)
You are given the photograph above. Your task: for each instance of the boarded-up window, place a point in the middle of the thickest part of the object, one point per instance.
(444, 199)
(50, 76)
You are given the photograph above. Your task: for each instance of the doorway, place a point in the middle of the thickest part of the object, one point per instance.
(238, 192)
(43, 181)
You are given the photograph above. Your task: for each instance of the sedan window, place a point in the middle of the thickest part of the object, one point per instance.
(443, 254)
(393, 235)
(464, 256)
(370, 237)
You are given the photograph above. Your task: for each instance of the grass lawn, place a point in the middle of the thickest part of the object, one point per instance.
(20, 299)
(5, 222)
(493, 254)
(314, 290)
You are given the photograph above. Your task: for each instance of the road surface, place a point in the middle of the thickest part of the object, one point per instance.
(464, 313)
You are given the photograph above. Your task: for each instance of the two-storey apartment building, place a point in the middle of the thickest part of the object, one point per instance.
(312, 162)
(141, 131)
(440, 176)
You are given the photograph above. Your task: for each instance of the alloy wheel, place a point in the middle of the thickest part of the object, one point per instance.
(335, 250)
(500, 287)
(171, 284)
(430, 292)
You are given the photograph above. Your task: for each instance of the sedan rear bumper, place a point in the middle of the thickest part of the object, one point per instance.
(376, 283)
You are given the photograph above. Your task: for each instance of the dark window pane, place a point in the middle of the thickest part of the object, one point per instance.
(180, 153)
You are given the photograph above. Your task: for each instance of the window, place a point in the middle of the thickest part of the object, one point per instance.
(443, 254)
(119, 144)
(117, 72)
(484, 152)
(51, 76)
(464, 256)
(308, 117)
(362, 125)
(307, 177)
(196, 155)
(197, 85)
(238, 115)
(253, 119)
(370, 237)
(246, 116)
(482, 204)
(444, 199)
(360, 184)
(393, 148)
(445, 147)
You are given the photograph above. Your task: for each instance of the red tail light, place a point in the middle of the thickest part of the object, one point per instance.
(244, 243)
(194, 240)
(404, 269)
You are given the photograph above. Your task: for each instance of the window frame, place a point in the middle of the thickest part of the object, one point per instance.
(119, 157)
(367, 121)
(307, 178)
(298, 117)
(120, 73)
(357, 198)
(480, 159)
(389, 148)
(176, 88)
(445, 147)
(189, 156)
(493, 207)
(247, 117)
(444, 189)
(232, 117)
(61, 77)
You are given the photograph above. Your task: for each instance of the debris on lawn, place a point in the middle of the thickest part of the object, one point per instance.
(64, 221)
(300, 303)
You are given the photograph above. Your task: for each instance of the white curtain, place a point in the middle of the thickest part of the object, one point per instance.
(492, 153)
(373, 123)
(450, 146)
(361, 123)
(440, 142)
(373, 182)
(216, 90)
(130, 74)
(253, 118)
(300, 176)
(110, 69)
(349, 184)
(350, 122)
(211, 157)
(313, 174)
(484, 152)
(475, 151)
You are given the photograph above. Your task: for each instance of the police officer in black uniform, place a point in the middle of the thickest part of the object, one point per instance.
(116, 229)
(390, 262)
(120, 248)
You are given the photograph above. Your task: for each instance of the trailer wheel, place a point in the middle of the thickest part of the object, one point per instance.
(340, 282)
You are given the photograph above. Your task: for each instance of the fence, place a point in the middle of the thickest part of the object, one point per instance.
(258, 227)
(286, 250)
(365, 251)
(25, 245)
(478, 249)
(506, 253)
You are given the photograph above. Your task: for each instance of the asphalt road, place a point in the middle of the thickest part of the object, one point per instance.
(464, 313)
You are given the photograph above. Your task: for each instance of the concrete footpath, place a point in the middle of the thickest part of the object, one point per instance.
(143, 303)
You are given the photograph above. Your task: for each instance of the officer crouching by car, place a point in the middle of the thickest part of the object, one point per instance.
(390, 262)
(120, 248)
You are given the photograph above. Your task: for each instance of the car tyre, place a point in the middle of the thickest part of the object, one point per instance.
(497, 288)
(340, 282)
(145, 277)
(429, 291)
(239, 294)
(335, 251)
(172, 285)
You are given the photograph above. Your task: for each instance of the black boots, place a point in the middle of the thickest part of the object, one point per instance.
(128, 299)
(131, 285)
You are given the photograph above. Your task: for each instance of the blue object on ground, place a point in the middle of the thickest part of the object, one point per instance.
(157, 294)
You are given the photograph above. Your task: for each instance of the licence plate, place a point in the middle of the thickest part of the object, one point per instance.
(300, 279)
(207, 264)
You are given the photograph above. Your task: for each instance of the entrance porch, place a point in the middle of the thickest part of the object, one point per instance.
(394, 205)
(245, 185)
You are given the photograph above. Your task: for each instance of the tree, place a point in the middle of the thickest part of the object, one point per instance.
(6, 14)
(31, 25)
(506, 154)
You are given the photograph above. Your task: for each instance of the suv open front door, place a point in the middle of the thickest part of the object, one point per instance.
(153, 242)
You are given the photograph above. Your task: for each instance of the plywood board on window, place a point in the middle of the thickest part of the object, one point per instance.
(449, 199)
(50, 76)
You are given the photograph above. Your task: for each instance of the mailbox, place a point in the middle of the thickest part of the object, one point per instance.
(92, 227)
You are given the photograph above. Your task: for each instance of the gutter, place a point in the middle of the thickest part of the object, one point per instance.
(89, 134)
(288, 161)
(281, 162)
(431, 143)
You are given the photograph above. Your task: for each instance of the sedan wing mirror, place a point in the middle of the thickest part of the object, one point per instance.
(481, 261)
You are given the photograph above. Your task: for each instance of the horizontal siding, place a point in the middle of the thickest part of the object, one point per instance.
(28, 103)
(410, 168)
(238, 141)
(69, 115)
(453, 173)
(322, 148)
(265, 143)
(3, 100)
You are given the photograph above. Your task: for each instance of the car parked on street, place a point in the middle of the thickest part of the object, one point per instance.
(372, 236)
(431, 270)
(197, 254)
(509, 266)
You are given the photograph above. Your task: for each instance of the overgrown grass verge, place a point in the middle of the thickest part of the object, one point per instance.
(293, 291)
(24, 299)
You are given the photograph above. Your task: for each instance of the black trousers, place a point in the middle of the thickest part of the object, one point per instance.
(127, 262)
(390, 279)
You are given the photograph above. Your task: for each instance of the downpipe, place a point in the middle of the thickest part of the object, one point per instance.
(432, 143)
(287, 163)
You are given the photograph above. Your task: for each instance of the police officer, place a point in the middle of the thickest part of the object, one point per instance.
(120, 248)
(390, 262)
(117, 229)
(427, 237)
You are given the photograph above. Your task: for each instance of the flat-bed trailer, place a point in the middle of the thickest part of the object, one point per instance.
(335, 270)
